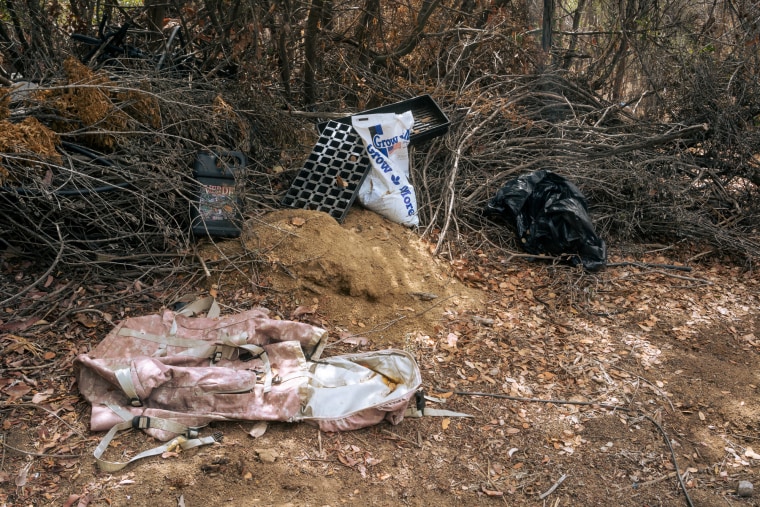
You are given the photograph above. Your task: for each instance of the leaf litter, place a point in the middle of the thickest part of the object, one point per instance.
(682, 352)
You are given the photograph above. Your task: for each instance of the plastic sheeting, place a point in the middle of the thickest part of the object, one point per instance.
(550, 217)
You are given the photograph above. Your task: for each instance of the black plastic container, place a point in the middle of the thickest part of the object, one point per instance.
(218, 208)
(429, 120)
(331, 176)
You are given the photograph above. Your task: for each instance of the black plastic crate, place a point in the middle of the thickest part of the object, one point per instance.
(429, 120)
(332, 174)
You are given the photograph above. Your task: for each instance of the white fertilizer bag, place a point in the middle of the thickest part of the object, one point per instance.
(387, 190)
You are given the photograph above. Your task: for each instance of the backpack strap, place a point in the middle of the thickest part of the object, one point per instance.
(413, 412)
(207, 304)
(187, 439)
(226, 348)
(420, 410)
(124, 377)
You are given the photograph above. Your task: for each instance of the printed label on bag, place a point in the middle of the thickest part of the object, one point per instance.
(387, 190)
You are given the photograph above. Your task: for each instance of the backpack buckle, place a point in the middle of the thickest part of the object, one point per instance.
(141, 422)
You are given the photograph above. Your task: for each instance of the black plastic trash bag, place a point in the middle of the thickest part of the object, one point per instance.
(550, 216)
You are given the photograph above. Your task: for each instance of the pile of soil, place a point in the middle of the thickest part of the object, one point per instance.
(367, 276)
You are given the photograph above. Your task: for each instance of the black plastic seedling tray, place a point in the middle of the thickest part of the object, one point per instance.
(429, 120)
(332, 174)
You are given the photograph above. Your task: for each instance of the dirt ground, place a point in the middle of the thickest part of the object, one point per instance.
(576, 382)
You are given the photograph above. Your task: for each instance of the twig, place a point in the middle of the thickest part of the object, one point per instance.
(203, 263)
(652, 142)
(44, 275)
(416, 444)
(652, 384)
(385, 325)
(318, 114)
(103, 315)
(554, 486)
(649, 265)
(687, 278)
(2, 458)
(601, 405)
(40, 407)
(39, 454)
(653, 481)
(23, 368)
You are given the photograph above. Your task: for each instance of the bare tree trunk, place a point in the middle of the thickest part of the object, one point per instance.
(310, 51)
(367, 27)
(282, 46)
(577, 16)
(546, 25)
(327, 14)
(406, 47)
(16, 57)
(156, 14)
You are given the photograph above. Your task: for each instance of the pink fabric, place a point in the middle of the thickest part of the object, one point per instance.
(188, 388)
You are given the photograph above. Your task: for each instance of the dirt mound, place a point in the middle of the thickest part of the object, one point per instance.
(367, 274)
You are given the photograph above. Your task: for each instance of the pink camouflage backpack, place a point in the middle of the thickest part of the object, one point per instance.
(172, 374)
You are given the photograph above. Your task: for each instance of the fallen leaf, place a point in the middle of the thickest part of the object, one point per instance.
(346, 460)
(40, 397)
(445, 423)
(303, 310)
(17, 392)
(751, 454)
(491, 492)
(86, 320)
(22, 474)
(357, 341)
(258, 429)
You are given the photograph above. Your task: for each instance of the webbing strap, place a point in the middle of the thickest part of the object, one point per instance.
(187, 438)
(207, 304)
(433, 412)
(124, 376)
(162, 338)
(203, 348)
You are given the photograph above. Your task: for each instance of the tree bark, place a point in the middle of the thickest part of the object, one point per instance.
(156, 14)
(310, 51)
(546, 25)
